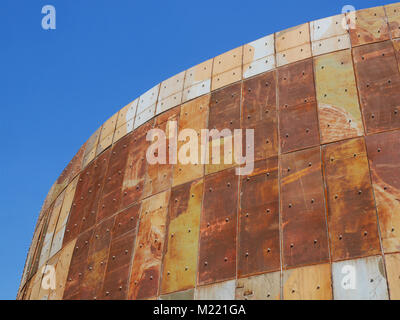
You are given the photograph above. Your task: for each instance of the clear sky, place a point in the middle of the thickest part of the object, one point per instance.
(58, 86)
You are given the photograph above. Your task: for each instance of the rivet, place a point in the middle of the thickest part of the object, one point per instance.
(291, 245)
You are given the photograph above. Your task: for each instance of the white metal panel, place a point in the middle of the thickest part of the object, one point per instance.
(217, 291)
(258, 49)
(148, 99)
(196, 90)
(256, 67)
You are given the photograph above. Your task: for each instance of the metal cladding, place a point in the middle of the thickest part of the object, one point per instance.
(318, 217)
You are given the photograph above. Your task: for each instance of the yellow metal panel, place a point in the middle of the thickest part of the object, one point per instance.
(198, 74)
(338, 107)
(108, 127)
(393, 15)
(293, 54)
(172, 86)
(67, 204)
(105, 143)
(292, 37)
(393, 275)
(328, 27)
(308, 283)
(123, 130)
(228, 61)
(168, 103)
(223, 79)
(127, 113)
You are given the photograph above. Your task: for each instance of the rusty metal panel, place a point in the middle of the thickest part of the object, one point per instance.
(193, 115)
(393, 275)
(121, 251)
(91, 146)
(393, 16)
(308, 283)
(134, 177)
(351, 208)
(298, 127)
(181, 295)
(303, 208)
(259, 243)
(101, 236)
(228, 61)
(226, 78)
(296, 84)
(367, 26)
(126, 220)
(338, 108)
(261, 287)
(72, 169)
(180, 257)
(360, 279)
(217, 291)
(378, 83)
(224, 113)
(384, 160)
(145, 271)
(116, 284)
(259, 113)
(92, 279)
(217, 257)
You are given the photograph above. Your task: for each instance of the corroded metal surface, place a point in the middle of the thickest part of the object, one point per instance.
(322, 99)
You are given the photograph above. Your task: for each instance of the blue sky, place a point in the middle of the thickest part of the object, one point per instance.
(59, 86)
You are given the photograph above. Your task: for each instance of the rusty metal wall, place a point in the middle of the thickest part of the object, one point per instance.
(320, 205)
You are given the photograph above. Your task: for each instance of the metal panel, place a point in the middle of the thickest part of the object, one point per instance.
(148, 99)
(258, 49)
(308, 283)
(262, 287)
(331, 44)
(172, 85)
(393, 16)
(217, 291)
(134, 177)
(328, 27)
(180, 258)
(121, 251)
(361, 279)
(194, 115)
(123, 130)
(393, 275)
(104, 144)
(181, 295)
(226, 78)
(127, 113)
(367, 26)
(259, 243)
(293, 54)
(56, 245)
(101, 236)
(198, 73)
(296, 84)
(224, 113)
(108, 127)
(168, 103)
(259, 66)
(303, 208)
(351, 207)
(217, 257)
(339, 111)
(384, 160)
(144, 116)
(292, 37)
(259, 113)
(126, 220)
(91, 146)
(145, 271)
(228, 61)
(196, 90)
(116, 284)
(67, 204)
(378, 83)
(298, 127)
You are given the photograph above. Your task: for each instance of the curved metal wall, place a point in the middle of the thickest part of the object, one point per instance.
(320, 205)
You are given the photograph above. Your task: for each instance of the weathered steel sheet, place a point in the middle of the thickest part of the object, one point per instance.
(115, 285)
(393, 275)
(308, 283)
(193, 115)
(198, 73)
(73, 168)
(121, 251)
(127, 113)
(261, 287)
(134, 177)
(367, 26)
(217, 291)
(292, 37)
(384, 160)
(298, 127)
(91, 145)
(67, 204)
(338, 107)
(171, 86)
(303, 208)
(293, 55)
(104, 143)
(327, 27)
(259, 113)
(101, 236)
(255, 55)
(296, 84)
(378, 83)
(259, 66)
(196, 90)
(126, 220)
(226, 78)
(217, 257)
(145, 116)
(351, 208)
(360, 279)
(393, 15)
(228, 61)
(181, 295)
(224, 113)
(180, 257)
(169, 103)
(259, 243)
(145, 271)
